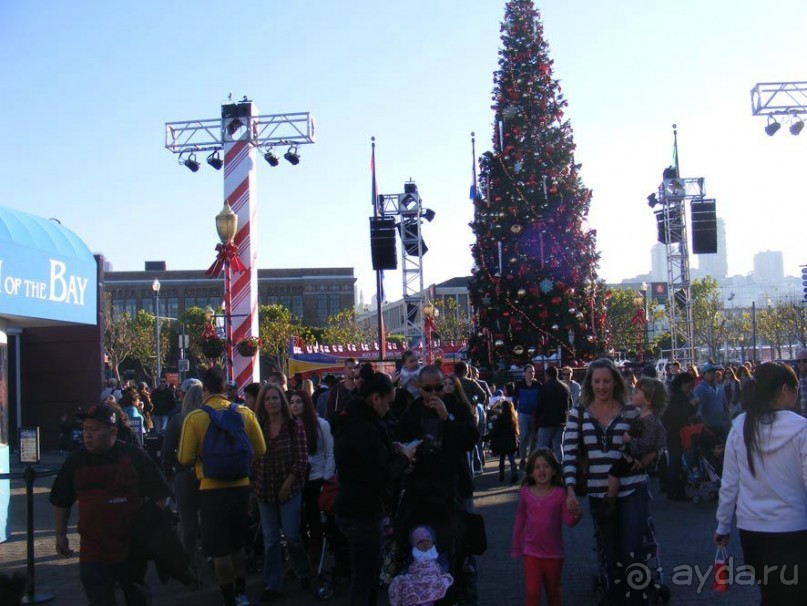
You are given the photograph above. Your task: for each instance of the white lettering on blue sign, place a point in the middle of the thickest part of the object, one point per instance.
(69, 289)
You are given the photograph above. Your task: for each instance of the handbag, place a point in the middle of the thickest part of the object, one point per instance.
(581, 468)
(720, 582)
(326, 501)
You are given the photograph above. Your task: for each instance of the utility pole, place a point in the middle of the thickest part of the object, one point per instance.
(239, 133)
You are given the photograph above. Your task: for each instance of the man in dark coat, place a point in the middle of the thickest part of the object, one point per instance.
(439, 490)
(368, 464)
(551, 413)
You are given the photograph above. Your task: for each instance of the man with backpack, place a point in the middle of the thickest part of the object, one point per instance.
(220, 439)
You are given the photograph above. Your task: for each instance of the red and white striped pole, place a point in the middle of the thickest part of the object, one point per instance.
(239, 192)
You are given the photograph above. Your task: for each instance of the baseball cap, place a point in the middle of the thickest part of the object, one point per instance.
(102, 413)
(188, 383)
(708, 367)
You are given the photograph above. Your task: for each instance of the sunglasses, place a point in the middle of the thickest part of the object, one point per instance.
(431, 388)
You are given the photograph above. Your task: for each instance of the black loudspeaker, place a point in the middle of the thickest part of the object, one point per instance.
(704, 227)
(675, 226)
(382, 243)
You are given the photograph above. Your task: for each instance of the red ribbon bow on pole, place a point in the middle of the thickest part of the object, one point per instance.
(228, 253)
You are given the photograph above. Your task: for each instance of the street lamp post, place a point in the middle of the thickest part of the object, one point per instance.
(639, 320)
(646, 317)
(430, 312)
(155, 286)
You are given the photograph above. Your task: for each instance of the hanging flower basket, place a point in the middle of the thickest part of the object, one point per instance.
(212, 348)
(248, 347)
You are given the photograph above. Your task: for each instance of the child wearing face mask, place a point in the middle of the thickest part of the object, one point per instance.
(424, 582)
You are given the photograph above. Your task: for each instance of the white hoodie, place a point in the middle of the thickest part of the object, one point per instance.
(775, 500)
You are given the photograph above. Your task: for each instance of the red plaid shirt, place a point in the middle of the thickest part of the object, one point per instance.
(285, 454)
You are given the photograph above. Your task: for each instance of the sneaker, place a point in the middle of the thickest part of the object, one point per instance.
(242, 600)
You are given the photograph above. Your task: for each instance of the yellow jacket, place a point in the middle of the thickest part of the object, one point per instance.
(194, 428)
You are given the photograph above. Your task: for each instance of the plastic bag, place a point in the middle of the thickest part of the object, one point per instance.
(720, 582)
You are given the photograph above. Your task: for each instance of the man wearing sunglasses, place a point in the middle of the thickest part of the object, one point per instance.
(344, 391)
(445, 429)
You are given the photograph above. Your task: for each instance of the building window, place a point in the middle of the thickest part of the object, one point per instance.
(334, 305)
(297, 306)
(293, 303)
(120, 306)
(322, 307)
(169, 307)
(202, 302)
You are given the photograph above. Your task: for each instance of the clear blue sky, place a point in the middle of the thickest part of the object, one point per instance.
(87, 86)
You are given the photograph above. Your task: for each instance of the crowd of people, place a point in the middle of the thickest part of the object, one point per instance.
(403, 451)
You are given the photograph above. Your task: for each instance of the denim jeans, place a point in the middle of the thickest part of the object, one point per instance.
(526, 429)
(99, 580)
(160, 422)
(364, 536)
(622, 536)
(551, 437)
(286, 516)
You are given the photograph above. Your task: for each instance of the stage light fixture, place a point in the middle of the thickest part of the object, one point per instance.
(292, 156)
(772, 127)
(215, 161)
(191, 163)
(652, 200)
(428, 214)
(271, 158)
(797, 127)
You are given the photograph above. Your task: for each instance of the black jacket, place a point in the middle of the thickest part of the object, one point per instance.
(503, 438)
(554, 405)
(441, 462)
(367, 464)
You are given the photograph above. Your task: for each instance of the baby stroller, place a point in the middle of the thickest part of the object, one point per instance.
(333, 541)
(254, 542)
(702, 462)
(647, 574)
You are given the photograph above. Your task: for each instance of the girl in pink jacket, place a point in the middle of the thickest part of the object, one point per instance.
(537, 531)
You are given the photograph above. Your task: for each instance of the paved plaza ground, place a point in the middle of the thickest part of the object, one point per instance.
(684, 531)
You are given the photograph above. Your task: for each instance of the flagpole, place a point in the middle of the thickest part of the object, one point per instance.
(473, 164)
(675, 150)
(379, 286)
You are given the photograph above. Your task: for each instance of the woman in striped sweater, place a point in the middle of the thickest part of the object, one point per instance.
(603, 416)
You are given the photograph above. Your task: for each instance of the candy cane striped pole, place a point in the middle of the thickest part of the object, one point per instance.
(240, 193)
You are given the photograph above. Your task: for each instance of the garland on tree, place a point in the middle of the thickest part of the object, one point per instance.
(534, 286)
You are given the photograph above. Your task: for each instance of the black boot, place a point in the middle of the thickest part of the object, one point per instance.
(501, 475)
(514, 477)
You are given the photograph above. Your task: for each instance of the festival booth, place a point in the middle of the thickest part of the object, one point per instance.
(307, 360)
(50, 341)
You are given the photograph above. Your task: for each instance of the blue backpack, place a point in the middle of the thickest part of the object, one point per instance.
(226, 449)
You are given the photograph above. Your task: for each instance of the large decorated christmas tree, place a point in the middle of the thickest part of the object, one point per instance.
(535, 289)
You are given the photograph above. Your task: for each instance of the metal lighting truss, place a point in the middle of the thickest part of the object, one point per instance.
(673, 194)
(408, 207)
(779, 98)
(261, 131)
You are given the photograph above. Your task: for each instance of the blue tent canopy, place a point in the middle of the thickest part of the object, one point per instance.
(46, 271)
